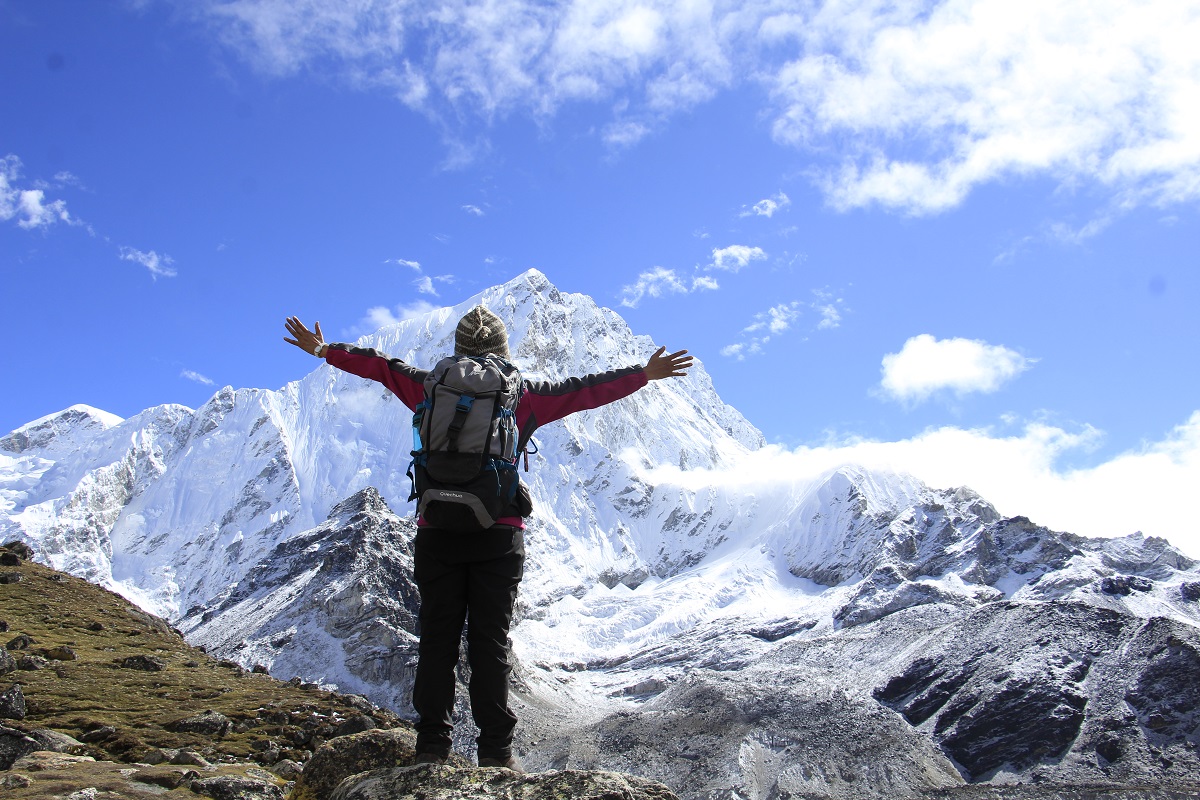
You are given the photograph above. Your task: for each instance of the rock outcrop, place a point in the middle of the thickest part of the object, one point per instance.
(446, 783)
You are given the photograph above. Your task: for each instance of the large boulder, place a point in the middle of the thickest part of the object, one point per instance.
(234, 787)
(13, 745)
(339, 758)
(12, 703)
(209, 723)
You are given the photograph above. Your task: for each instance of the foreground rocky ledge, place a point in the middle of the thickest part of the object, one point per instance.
(449, 783)
(374, 765)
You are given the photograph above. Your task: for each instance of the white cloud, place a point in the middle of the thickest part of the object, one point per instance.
(414, 265)
(826, 305)
(28, 207)
(781, 318)
(776, 319)
(65, 178)
(1057, 233)
(659, 281)
(655, 283)
(192, 375)
(472, 209)
(159, 266)
(381, 316)
(425, 283)
(830, 317)
(460, 59)
(767, 207)
(914, 104)
(735, 257)
(1077, 236)
(625, 134)
(936, 99)
(763, 327)
(926, 366)
(1144, 489)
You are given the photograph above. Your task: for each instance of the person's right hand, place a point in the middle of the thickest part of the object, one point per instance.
(675, 365)
(305, 339)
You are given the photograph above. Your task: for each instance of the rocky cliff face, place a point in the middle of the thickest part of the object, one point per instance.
(335, 605)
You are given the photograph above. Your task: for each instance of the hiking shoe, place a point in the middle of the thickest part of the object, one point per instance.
(504, 763)
(430, 758)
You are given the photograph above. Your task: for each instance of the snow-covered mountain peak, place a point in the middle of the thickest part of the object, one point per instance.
(59, 431)
(552, 334)
(172, 506)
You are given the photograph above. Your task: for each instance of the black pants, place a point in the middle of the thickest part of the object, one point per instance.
(469, 577)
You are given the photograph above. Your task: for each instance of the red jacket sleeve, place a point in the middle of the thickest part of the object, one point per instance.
(544, 401)
(403, 380)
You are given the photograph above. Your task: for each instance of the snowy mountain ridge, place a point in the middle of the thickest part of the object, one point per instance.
(777, 631)
(172, 506)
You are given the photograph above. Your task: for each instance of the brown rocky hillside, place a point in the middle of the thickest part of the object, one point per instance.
(100, 701)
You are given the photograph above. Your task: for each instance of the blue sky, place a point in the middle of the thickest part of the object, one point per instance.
(959, 238)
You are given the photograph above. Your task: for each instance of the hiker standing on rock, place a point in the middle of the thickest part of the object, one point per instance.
(473, 416)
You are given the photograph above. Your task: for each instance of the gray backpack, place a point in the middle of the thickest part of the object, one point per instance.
(464, 468)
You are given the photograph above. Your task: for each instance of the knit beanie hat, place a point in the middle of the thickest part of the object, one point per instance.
(480, 332)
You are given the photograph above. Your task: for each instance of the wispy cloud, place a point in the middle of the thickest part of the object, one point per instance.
(767, 206)
(473, 210)
(783, 317)
(28, 206)
(378, 317)
(910, 105)
(1070, 234)
(776, 319)
(425, 284)
(830, 317)
(766, 325)
(158, 265)
(735, 257)
(1058, 233)
(192, 375)
(826, 306)
(625, 134)
(932, 102)
(926, 366)
(660, 281)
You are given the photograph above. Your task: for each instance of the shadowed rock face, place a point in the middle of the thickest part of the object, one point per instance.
(1018, 685)
(1165, 695)
(712, 734)
(339, 597)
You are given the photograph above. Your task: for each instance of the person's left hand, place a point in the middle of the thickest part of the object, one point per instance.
(305, 339)
(674, 365)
